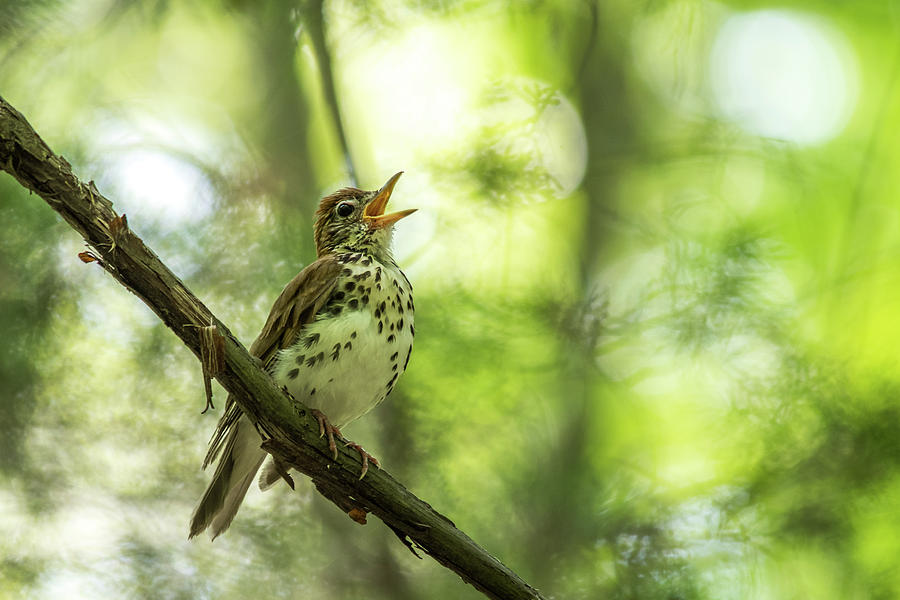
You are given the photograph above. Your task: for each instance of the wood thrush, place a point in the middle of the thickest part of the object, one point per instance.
(338, 337)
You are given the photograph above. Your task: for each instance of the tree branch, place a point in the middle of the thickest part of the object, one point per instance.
(290, 432)
(316, 23)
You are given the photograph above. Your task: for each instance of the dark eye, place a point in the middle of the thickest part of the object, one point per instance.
(344, 209)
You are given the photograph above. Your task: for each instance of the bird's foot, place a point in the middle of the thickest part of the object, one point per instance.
(327, 429)
(365, 456)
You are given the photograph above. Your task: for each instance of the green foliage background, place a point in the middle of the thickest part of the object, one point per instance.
(656, 351)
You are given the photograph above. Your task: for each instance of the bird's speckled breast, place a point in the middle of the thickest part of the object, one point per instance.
(348, 360)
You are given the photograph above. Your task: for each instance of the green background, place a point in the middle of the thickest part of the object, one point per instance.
(656, 276)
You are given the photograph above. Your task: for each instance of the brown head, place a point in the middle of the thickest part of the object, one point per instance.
(353, 220)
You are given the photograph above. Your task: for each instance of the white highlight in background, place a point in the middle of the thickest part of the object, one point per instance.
(160, 187)
(783, 75)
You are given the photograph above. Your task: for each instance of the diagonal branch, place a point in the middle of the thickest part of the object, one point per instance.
(291, 432)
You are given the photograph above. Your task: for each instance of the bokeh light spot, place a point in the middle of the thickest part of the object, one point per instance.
(783, 75)
(160, 187)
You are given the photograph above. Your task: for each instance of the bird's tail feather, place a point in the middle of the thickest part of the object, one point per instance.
(269, 475)
(237, 467)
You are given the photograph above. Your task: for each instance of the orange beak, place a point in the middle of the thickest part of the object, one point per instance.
(374, 211)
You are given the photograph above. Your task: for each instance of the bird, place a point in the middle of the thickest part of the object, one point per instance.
(337, 339)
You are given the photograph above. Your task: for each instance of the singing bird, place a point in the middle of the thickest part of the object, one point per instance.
(338, 337)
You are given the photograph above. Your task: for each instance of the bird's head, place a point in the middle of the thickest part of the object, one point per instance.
(354, 220)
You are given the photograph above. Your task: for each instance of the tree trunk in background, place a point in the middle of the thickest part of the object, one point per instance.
(283, 134)
(570, 524)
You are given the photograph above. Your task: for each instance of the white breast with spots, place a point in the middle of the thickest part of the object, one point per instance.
(345, 364)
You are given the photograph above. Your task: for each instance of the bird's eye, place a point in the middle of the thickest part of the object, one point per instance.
(344, 209)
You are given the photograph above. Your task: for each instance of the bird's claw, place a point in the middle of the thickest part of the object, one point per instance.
(329, 430)
(365, 456)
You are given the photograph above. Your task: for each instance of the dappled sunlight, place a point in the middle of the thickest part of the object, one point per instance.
(534, 122)
(419, 85)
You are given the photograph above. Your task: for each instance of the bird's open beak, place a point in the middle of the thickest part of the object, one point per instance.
(374, 211)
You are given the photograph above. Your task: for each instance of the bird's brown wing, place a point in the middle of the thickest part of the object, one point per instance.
(297, 305)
